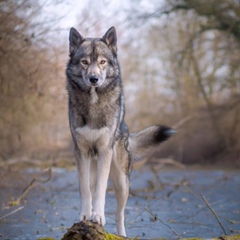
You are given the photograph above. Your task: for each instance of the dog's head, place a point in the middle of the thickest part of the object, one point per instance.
(93, 61)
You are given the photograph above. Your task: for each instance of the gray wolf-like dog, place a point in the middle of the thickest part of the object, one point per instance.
(103, 147)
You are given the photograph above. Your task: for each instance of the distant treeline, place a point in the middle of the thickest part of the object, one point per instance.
(180, 66)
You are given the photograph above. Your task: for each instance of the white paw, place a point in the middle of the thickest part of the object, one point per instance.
(85, 216)
(98, 218)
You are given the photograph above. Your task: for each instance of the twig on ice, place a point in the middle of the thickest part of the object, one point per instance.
(155, 216)
(14, 211)
(30, 186)
(208, 205)
(213, 212)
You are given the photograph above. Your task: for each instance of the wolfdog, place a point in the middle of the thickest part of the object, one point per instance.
(102, 143)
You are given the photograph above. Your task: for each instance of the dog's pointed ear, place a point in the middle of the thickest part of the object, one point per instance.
(110, 38)
(75, 40)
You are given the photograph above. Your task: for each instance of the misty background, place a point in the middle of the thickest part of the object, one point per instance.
(180, 67)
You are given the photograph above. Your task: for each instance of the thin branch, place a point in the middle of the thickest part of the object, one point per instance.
(14, 211)
(214, 213)
(190, 191)
(183, 121)
(207, 204)
(26, 190)
(30, 186)
(155, 216)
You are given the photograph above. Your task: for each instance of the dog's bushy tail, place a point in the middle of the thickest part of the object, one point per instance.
(143, 142)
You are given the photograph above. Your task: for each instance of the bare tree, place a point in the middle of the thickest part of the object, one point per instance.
(198, 43)
(29, 77)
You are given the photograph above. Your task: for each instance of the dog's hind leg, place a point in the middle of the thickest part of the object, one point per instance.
(120, 182)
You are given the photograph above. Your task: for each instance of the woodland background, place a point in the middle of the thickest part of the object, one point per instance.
(180, 66)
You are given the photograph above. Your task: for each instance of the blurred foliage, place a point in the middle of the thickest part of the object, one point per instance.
(179, 58)
(28, 69)
(222, 15)
(198, 42)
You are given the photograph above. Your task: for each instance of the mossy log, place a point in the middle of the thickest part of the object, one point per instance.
(88, 230)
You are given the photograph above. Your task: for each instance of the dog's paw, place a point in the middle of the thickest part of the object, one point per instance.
(85, 216)
(98, 218)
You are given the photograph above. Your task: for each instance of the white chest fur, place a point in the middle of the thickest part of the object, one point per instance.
(88, 139)
(93, 135)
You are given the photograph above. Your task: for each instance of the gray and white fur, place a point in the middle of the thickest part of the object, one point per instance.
(102, 143)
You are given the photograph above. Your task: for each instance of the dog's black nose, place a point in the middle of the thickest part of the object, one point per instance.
(93, 80)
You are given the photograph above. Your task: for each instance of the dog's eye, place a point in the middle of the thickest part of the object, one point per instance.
(102, 62)
(84, 62)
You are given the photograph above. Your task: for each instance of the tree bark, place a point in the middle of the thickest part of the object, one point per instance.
(88, 230)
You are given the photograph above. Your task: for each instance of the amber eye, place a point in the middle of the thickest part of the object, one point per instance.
(102, 61)
(84, 62)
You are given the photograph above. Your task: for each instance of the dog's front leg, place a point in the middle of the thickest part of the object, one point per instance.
(103, 169)
(83, 166)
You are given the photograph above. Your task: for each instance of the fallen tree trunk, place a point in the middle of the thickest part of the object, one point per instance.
(88, 230)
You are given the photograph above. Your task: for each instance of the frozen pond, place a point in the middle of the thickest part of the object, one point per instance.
(161, 204)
